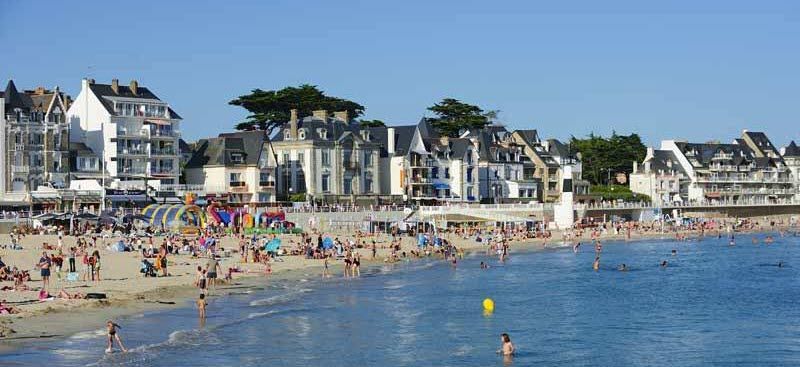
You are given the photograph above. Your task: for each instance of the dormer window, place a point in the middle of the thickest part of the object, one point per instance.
(301, 135)
(237, 158)
(287, 134)
(323, 133)
(365, 135)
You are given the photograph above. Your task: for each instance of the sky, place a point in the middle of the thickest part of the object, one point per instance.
(665, 70)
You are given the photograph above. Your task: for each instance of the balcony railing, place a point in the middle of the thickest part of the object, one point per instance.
(162, 171)
(164, 133)
(131, 171)
(19, 169)
(266, 184)
(132, 151)
(162, 151)
(237, 186)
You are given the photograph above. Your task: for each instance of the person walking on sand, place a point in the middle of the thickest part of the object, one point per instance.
(112, 335)
(211, 270)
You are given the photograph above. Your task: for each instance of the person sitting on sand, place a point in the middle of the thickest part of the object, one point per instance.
(6, 309)
(507, 348)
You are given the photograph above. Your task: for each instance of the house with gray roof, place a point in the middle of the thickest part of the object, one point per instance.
(549, 157)
(328, 158)
(134, 131)
(661, 177)
(747, 170)
(505, 171)
(234, 168)
(791, 157)
(34, 137)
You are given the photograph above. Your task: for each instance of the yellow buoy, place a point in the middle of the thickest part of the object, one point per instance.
(488, 305)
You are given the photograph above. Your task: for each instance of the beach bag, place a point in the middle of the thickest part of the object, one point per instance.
(72, 277)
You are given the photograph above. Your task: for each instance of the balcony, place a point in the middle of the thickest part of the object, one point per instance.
(237, 186)
(138, 171)
(163, 171)
(133, 134)
(167, 134)
(131, 151)
(421, 163)
(169, 151)
(20, 169)
(266, 184)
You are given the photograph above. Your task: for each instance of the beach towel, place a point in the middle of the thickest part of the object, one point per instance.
(72, 277)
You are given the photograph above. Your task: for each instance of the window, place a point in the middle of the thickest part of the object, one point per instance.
(470, 196)
(286, 158)
(435, 172)
(368, 159)
(287, 134)
(368, 184)
(82, 163)
(235, 178)
(265, 198)
(469, 175)
(301, 158)
(447, 172)
(301, 135)
(326, 158)
(347, 186)
(326, 182)
(237, 158)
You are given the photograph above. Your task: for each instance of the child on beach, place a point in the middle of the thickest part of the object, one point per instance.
(201, 306)
(112, 334)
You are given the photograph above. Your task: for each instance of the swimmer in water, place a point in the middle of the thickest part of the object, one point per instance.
(664, 264)
(674, 252)
(484, 265)
(112, 335)
(596, 264)
(507, 348)
(780, 264)
(576, 247)
(623, 267)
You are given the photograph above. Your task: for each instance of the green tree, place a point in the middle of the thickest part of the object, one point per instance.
(371, 123)
(453, 115)
(270, 109)
(605, 157)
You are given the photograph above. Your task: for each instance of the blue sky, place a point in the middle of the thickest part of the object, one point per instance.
(666, 70)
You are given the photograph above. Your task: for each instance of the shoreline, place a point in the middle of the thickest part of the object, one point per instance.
(62, 322)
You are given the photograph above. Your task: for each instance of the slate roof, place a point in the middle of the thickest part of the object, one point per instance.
(104, 90)
(792, 150)
(29, 101)
(665, 161)
(80, 148)
(700, 155)
(218, 151)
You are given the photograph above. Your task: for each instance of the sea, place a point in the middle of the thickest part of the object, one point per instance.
(712, 305)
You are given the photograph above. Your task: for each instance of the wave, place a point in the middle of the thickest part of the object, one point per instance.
(281, 298)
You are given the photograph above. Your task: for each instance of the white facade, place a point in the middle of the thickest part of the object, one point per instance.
(135, 132)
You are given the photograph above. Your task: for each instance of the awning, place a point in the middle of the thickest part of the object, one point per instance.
(441, 186)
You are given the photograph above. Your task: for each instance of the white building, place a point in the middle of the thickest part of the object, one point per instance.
(791, 156)
(748, 170)
(234, 168)
(327, 158)
(661, 177)
(134, 131)
(505, 172)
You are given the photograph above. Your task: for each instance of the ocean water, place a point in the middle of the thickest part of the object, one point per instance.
(713, 305)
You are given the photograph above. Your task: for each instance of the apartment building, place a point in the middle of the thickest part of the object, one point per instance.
(34, 139)
(549, 157)
(506, 174)
(133, 130)
(748, 170)
(661, 177)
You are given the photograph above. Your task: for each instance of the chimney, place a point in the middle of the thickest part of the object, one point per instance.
(390, 138)
(320, 115)
(134, 87)
(115, 85)
(91, 81)
(40, 91)
(342, 115)
(293, 123)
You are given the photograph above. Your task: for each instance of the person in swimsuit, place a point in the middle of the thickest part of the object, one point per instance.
(347, 263)
(201, 306)
(507, 348)
(44, 266)
(596, 263)
(112, 335)
(325, 272)
(356, 269)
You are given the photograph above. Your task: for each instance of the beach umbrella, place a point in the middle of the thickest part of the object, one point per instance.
(327, 243)
(273, 245)
(44, 216)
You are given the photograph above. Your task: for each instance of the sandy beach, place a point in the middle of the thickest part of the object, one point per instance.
(129, 293)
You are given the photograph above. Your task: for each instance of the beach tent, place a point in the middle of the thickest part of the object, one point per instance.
(327, 243)
(273, 245)
(177, 215)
